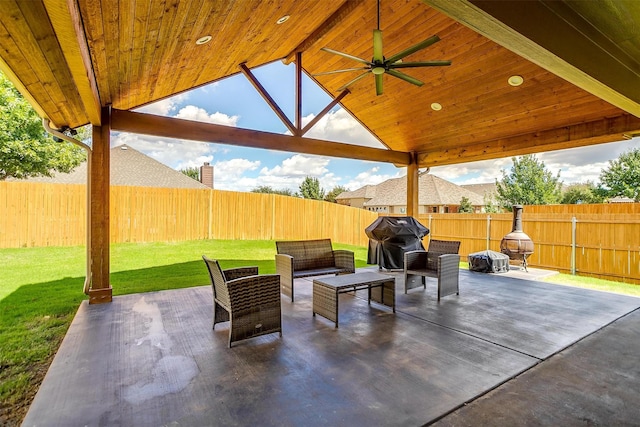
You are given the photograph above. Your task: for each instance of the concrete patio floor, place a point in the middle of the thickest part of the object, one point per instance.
(506, 351)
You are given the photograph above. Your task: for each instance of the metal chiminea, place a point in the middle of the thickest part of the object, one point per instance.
(517, 245)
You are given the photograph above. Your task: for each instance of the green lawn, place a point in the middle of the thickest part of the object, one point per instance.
(41, 288)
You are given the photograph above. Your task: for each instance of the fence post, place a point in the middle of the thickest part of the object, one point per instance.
(573, 245)
(488, 232)
(429, 227)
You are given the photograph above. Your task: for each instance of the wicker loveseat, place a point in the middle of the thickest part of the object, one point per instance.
(440, 260)
(304, 258)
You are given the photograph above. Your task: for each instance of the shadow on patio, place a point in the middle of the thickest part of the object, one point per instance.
(546, 354)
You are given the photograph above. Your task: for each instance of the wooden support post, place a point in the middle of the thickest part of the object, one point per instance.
(412, 186)
(100, 291)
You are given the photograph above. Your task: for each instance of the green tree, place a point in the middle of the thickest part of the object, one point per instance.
(622, 177)
(25, 148)
(335, 192)
(310, 189)
(529, 183)
(465, 206)
(581, 193)
(490, 205)
(268, 190)
(192, 172)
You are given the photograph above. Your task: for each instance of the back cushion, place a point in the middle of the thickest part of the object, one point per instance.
(319, 253)
(308, 254)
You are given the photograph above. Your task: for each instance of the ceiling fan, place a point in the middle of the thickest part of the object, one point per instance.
(380, 65)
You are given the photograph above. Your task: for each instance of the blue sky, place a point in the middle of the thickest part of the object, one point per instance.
(234, 102)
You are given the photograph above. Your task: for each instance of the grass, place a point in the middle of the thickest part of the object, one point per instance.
(596, 284)
(41, 289)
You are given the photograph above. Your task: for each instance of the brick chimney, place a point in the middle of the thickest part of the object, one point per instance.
(206, 175)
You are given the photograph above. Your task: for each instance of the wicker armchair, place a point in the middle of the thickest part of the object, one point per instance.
(251, 302)
(440, 260)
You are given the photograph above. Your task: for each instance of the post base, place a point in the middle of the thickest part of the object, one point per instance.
(100, 296)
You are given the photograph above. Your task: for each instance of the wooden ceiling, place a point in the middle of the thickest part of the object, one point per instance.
(580, 62)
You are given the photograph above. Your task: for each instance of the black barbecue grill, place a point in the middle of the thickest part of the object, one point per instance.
(390, 237)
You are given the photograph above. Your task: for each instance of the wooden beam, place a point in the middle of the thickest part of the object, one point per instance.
(553, 36)
(100, 291)
(412, 187)
(67, 24)
(170, 127)
(269, 100)
(298, 94)
(322, 113)
(346, 9)
(598, 132)
(6, 69)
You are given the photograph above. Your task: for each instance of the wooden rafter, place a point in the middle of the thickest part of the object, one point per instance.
(67, 24)
(298, 93)
(597, 132)
(335, 19)
(269, 100)
(149, 124)
(326, 109)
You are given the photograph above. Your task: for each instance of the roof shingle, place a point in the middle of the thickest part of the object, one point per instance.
(129, 167)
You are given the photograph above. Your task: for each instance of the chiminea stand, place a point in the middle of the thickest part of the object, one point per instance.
(517, 245)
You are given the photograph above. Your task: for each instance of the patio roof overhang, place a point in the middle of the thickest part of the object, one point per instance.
(80, 61)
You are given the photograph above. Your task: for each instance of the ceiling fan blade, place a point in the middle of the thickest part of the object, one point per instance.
(345, 55)
(378, 84)
(343, 87)
(425, 43)
(377, 46)
(437, 63)
(404, 77)
(324, 73)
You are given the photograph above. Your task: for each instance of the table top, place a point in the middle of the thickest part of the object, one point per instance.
(347, 280)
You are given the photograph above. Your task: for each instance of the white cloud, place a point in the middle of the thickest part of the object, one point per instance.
(191, 112)
(371, 177)
(298, 166)
(174, 153)
(165, 106)
(474, 172)
(575, 164)
(228, 174)
(340, 126)
(585, 163)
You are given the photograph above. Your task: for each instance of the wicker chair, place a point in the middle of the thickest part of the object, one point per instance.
(440, 260)
(251, 302)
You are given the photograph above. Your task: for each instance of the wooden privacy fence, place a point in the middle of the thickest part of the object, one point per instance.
(39, 214)
(591, 240)
(594, 240)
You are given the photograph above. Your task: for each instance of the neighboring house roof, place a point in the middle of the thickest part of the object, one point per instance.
(366, 192)
(129, 167)
(487, 189)
(433, 191)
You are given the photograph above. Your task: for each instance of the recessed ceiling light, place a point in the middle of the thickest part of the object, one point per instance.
(282, 20)
(516, 80)
(435, 106)
(203, 40)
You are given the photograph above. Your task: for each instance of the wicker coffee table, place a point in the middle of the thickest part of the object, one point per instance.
(382, 289)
